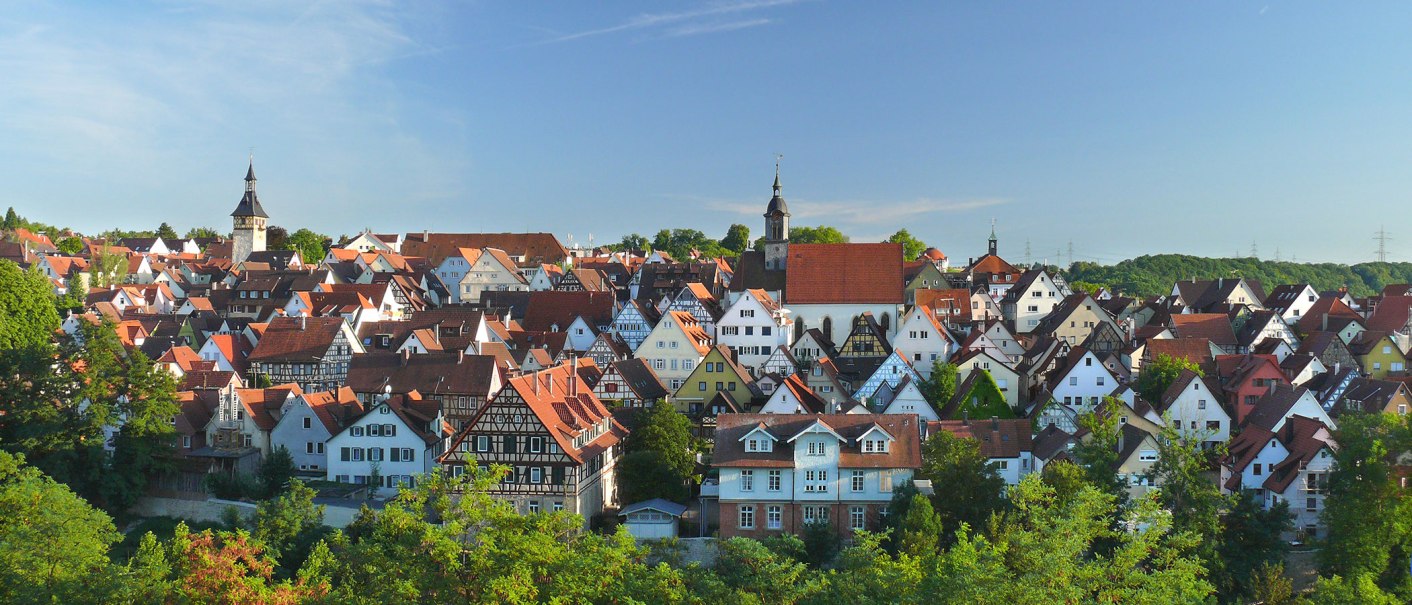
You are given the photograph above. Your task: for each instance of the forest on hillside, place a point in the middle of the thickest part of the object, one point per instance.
(1154, 275)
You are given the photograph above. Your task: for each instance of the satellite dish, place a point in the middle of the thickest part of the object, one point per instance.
(387, 389)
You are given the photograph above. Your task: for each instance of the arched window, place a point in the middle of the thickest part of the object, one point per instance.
(886, 322)
(828, 327)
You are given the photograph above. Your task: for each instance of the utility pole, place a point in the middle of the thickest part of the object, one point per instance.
(1071, 253)
(1277, 254)
(1254, 250)
(1382, 239)
(1027, 252)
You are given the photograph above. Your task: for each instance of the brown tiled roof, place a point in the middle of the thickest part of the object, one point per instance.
(844, 274)
(432, 374)
(549, 308)
(1215, 327)
(1301, 437)
(1392, 314)
(998, 438)
(536, 248)
(1179, 385)
(297, 339)
(1326, 305)
(1243, 448)
(263, 405)
(1274, 406)
(335, 409)
(905, 451)
(1195, 350)
(565, 408)
(750, 272)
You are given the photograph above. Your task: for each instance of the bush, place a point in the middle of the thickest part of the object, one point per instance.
(232, 487)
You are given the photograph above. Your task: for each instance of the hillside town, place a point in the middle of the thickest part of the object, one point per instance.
(813, 375)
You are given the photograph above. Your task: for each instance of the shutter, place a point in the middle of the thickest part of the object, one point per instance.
(396, 454)
(343, 454)
(389, 430)
(510, 445)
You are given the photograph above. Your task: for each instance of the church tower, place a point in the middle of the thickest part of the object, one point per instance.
(993, 241)
(249, 220)
(776, 228)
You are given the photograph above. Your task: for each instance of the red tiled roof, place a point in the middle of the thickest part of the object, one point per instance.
(1215, 327)
(844, 274)
(905, 451)
(998, 438)
(297, 338)
(1393, 313)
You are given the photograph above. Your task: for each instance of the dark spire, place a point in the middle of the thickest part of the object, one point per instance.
(250, 203)
(993, 246)
(777, 205)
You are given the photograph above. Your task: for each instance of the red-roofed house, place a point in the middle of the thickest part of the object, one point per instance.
(558, 439)
(391, 444)
(307, 421)
(827, 285)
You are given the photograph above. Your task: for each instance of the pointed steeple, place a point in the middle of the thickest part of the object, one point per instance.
(777, 206)
(993, 242)
(250, 203)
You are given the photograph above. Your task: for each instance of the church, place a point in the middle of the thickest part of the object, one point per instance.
(824, 286)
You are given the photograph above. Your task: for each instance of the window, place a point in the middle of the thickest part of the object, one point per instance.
(856, 517)
(533, 506)
(857, 481)
(558, 506)
(772, 481)
(357, 431)
(758, 445)
(389, 430)
(536, 475)
(536, 445)
(816, 448)
(1073, 381)
(1147, 456)
(482, 443)
(1200, 404)
(357, 454)
(747, 481)
(816, 514)
(308, 447)
(1311, 504)
(375, 454)
(1100, 381)
(701, 386)
(375, 430)
(774, 517)
(307, 423)
(186, 439)
(747, 517)
(659, 364)
(885, 482)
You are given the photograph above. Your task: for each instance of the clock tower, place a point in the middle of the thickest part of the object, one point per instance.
(249, 218)
(776, 228)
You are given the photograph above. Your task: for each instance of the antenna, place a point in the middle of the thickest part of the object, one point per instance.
(1382, 238)
(1027, 252)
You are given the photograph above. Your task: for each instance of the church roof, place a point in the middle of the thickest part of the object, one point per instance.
(250, 203)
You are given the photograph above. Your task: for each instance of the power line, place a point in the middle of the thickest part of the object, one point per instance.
(1027, 252)
(1071, 253)
(1382, 238)
(1254, 250)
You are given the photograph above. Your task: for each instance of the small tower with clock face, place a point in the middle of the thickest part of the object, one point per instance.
(776, 227)
(250, 221)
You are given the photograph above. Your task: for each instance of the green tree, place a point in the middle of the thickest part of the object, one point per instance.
(662, 429)
(940, 387)
(816, 235)
(1159, 374)
(968, 488)
(1182, 469)
(27, 316)
(167, 233)
(106, 268)
(633, 241)
(196, 232)
(1250, 544)
(985, 400)
(911, 246)
(644, 475)
(1365, 510)
(748, 568)
(145, 442)
(276, 471)
(1065, 478)
(289, 526)
(921, 529)
(70, 246)
(74, 298)
(737, 239)
(311, 246)
(55, 544)
(1362, 589)
(1097, 454)
(12, 219)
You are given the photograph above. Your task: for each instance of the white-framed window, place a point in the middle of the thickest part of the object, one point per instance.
(816, 448)
(885, 482)
(536, 475)
(533, 506)
(536, 445)
(1200, 404)
(308, 423)
(747, 517)
(772, 480)
(774, 517)
(816, 514)
(1147, 456)
(874, 446)
(747, 481)
(857, 480)
(857, 518)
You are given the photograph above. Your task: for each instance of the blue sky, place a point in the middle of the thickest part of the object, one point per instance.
(1125, 127)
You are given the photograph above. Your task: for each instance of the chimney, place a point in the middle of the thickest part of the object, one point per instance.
(573, 381)
(1325, 324)
(549, 382)
(535, 379)
(406, 356)
(303, 322)
(460, 356)
(995, 423)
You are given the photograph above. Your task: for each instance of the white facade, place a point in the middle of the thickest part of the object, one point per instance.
(301, 432)
(753, 332)
(1196, 411)
(365, 445)
(924, 339)
(1085, 384)
(841, 316)
(671, 352)
(1040, 297)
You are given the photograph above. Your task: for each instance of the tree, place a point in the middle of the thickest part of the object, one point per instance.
(144, 444)
(816, 235)
(70, 246)
(55, 544)
(166, 232)
(205, 232)
(1065, 478)
(985, 400)
(276, 471)
(229, 568)
(911, 246)
(941, 386)
(662, 429)
(747, 567)
(737, 239)
(1098, 454)
(12, 219)
(633, 241)
(921, 529)
(1362, 589)
(969, 490)
(1249, 545)
(644, 475)
(27, 316)
(1194, 500)
(75, 296)
(106, 268)
(289, 525)
(1159, 374)
(679, 244)
(820, 543)
(1365, 510)
(311, 246)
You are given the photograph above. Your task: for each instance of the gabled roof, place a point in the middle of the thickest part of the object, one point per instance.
(641, 379)
(844, 274)
(1182, 384)
(335, 409)
(565, 409)
(548, 309)
(1272, 408)
(1195, 350)
(1324, 310)
(905, 452)
(1367, 341)
(1392, 314)
(1302, 437)
(432, 374)
(656, 504)
(1215, 327)
(534, 247)
(297, 339)
(1369, 395)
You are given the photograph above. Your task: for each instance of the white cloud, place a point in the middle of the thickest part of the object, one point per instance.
(698, 21)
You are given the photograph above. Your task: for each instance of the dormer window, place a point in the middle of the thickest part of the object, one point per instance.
(759, 444)
(874, 446)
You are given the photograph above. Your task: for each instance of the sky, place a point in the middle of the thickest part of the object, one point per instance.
(1126, 128)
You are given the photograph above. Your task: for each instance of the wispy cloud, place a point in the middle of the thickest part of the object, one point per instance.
(860, 212)
(711, 18)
